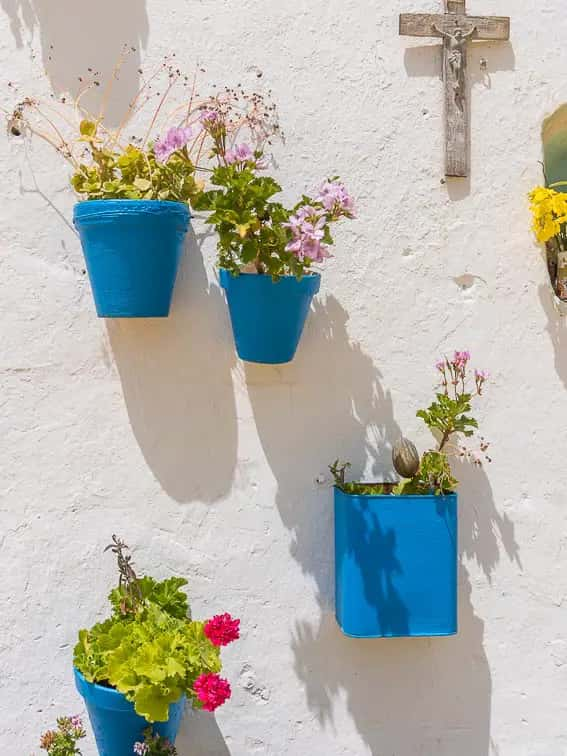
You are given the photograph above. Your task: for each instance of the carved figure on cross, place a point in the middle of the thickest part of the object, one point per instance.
(457, 43)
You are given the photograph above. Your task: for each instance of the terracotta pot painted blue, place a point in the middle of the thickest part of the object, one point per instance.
(132, 249)
(115, 724)
(396, 565)
(268, 317)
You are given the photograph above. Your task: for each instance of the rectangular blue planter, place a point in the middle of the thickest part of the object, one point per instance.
(396, 565)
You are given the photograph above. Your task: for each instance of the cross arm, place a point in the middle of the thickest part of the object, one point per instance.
(488, 28)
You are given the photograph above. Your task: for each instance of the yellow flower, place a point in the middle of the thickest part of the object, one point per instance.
(549, 210)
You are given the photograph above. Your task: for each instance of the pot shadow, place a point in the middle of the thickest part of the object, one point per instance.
(177, 385)
(200, 736)
(484, 58)
(327, 402)
(76, 35)
(430, 696)
(557, 330)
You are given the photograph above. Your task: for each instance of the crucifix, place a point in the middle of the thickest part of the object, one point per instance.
(456, 29)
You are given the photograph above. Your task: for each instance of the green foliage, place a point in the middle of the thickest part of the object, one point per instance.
(155, 745)
(132, 173)
(167, 595)
(149, 649)
(338, 470)
(63, 741)
(433, 477)
(449, 415)
(152, 659)
(249, 223)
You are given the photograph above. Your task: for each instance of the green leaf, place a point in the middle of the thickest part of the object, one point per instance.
(87, 128)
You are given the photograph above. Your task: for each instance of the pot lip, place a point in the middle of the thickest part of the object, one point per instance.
(105, 202)
(86, 210)
(264, 276)
(103, 688)
(109, 693)
(403, 497)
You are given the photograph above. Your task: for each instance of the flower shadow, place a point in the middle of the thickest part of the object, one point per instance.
(77, 35)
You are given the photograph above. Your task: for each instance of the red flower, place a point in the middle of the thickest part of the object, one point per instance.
(212, 691)
(222, 629)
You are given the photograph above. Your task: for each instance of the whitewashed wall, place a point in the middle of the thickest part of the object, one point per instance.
(155, 430)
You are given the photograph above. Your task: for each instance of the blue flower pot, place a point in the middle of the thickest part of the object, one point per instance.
(132, 249)
(396, 565)
(268, 318)
(115, 724)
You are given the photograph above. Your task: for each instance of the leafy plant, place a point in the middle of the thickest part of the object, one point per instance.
(149, 649)
(163, 162)
(63, 741)
(257, 233)
(134, 173)
(154, 745)
(448, 418)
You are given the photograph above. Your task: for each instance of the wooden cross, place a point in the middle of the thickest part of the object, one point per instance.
(456, 29)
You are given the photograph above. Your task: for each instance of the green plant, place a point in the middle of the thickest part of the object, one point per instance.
(132, 173)
(257, 233)
(448, 418)
(160, 164)
(149, 649)
(63, 741)
(154, 745)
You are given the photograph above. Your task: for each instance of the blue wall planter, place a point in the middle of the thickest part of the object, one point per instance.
(115, 724)
(132, 249)
(396, 565)
(268, 318)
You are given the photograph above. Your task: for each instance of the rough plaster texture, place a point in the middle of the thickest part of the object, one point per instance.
(208, 466)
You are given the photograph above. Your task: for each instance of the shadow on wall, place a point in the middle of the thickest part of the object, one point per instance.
(405, 696)
(328, 402)
(200, 736)
(557, 330)
(188, 436)
(76, 35)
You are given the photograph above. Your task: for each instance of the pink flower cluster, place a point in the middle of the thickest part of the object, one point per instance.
(222, 629)
(212, 690)
(175, 139)
(240, 153)
(308, 230)
(460, 360)
(335, 199)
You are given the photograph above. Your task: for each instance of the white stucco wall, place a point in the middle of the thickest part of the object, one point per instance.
(155, 430)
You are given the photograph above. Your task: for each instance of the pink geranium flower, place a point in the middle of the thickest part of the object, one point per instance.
(212, 691)
(222, 629)
(240, 153)
(335, 199)
(175, 139)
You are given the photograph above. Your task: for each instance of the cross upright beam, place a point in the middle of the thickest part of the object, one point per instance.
(456, 29)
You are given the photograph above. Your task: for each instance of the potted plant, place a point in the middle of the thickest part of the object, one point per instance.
(396, 544)
(549, 211)
(63, 741)
(143, 663)
(266, 252)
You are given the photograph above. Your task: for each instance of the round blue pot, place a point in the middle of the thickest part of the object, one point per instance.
(268, 317)
(115, 724)
(396, 565)
(132, 249)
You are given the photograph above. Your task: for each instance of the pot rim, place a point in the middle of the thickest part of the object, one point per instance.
(308, 274)
(393, 497)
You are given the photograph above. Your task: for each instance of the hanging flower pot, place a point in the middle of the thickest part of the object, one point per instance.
(268, 317)
(116, 725)
(137, 668)
(396, 544)
(132, 249)
(396, 565)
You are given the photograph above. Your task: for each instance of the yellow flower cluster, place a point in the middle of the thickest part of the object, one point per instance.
(549, 209)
